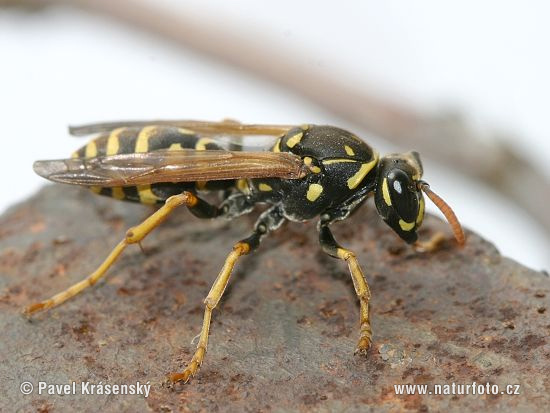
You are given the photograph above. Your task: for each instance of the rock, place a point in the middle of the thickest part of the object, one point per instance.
(284, 334)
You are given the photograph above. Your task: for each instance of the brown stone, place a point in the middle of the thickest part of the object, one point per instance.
(284, 334)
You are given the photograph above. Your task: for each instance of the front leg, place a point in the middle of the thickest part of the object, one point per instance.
(332, 248)
(432, 244)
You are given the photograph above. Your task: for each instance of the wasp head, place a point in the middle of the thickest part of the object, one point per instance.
(398, 196)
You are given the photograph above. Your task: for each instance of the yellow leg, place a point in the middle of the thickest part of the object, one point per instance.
(432, 244)
(211, 301)
(363, 293)
(133, 235)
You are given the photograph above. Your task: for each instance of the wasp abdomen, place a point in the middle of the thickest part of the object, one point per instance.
(147, 139)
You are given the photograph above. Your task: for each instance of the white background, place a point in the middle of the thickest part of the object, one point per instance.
(489, 59)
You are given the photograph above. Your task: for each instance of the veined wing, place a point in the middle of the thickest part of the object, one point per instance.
(226, 127)
(171, 166)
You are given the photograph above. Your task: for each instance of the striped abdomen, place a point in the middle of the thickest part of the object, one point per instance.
(146, 139)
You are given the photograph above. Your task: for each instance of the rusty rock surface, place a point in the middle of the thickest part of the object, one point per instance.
(284, 334)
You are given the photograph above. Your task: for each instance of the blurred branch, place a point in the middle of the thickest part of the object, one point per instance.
(445, 138)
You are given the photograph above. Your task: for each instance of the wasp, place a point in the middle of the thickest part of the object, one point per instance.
(310, 172)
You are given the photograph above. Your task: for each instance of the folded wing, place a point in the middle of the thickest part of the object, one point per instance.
(171, 166)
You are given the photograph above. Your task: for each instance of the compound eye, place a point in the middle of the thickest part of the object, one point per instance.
(404, 195)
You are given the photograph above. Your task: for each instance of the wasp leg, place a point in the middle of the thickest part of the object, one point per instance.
(268, 221)
(331, 247)
(432, 244)
(133, 235)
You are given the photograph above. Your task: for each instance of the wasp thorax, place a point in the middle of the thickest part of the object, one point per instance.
(398, 198)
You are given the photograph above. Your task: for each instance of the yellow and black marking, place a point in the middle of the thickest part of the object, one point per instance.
(342, 171)
(127, 140)
(314, 191)
(421, 208)
(295, 139)
(242, 186)
(398, 198)
(340, 166)
(364, 169)
(277, 146)
(312, 165)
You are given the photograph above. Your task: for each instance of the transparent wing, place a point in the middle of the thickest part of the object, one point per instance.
(225, 127)
(171, 166)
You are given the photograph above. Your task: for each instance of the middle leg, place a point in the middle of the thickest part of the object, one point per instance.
(268, 221)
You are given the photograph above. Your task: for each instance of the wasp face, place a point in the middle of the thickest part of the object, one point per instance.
(398, 198)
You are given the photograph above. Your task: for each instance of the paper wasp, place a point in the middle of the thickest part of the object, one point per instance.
(310, 172)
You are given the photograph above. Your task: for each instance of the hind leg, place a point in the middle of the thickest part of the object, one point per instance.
(134, 235)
